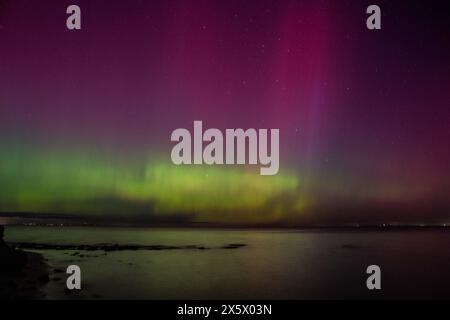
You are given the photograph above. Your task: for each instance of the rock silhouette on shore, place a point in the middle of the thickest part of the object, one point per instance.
(21, 273)
(12, 261)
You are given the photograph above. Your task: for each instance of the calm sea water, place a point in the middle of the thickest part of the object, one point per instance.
(274, 264)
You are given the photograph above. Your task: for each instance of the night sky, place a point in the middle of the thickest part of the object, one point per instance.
(86, 116)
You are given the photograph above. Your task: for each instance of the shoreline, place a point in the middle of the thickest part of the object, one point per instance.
(23, 274)
(144, 264)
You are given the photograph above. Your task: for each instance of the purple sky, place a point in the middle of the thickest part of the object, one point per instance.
(358, 110)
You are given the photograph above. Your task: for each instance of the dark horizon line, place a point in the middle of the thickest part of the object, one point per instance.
(33, 219)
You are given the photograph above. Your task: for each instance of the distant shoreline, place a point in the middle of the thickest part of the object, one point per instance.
(246, 227)
(174, 222)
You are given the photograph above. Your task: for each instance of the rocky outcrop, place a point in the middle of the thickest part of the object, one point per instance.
(118, 247)
(12, 261)
(22, 274)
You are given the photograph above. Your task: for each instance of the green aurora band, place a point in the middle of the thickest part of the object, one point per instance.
(84, 184)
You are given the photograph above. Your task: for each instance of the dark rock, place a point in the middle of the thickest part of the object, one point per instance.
(116, 247)
(12, 261)
(22, 274)
(233, 246)
(44, 278)
(69, 292)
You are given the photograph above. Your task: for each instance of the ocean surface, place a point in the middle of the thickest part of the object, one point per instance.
(273, 264)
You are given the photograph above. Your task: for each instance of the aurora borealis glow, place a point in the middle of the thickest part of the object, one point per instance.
(86, 116)
(77, 183)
